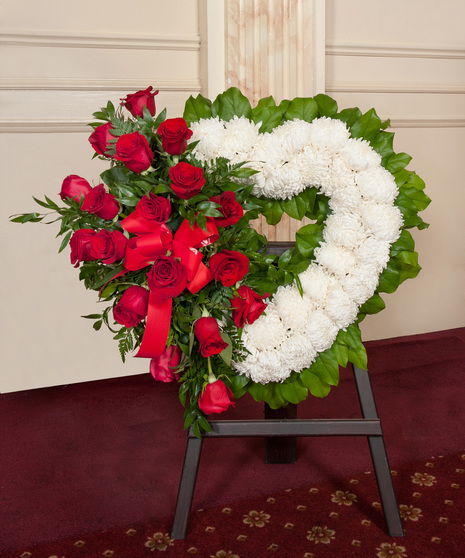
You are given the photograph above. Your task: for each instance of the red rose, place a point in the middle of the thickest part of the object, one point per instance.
(100, 139)
(215, 398)
(73, 186)
(186, 180)
(228, 267)
(162, 367)
(174, 135)
(81, 246)
(134, 151)
(230, 208)
(247, 307)
(136, 102)
(208, 334)
(101, 203)
(132, 306)
(154, 208)
(167, 278)
(109, 246)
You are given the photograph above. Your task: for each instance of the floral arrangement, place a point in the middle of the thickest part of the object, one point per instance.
(166, 240)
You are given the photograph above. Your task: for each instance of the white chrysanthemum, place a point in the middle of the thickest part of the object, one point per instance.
(265, 367)
(329, 133)
(267, 331)
(336, 259)
(385, 221)
(359, 155)
(321, 330)
(240, 137)
(345, 229)
(283, 182)
(315, 283)
(297, 352)
(347, 197)
(339, 176)
(361, 284)
(268, 149)
(340, 307)
(210, 132)
(292, 308)
(373, 252)
(314, 165)
(377, 184)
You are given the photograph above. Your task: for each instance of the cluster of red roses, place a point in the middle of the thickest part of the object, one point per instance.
(152, 242)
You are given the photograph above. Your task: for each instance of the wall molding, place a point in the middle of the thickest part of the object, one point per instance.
(389, 87)
(402, 51)
(427, 122)
(182, 43)
(70, 84)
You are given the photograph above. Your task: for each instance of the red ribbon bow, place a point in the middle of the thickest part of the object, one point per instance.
(152, 240)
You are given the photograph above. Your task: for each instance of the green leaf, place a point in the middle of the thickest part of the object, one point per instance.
(273, 212)
(302, 109)
(296, 207)
(366, 126)
(349, 116)
(231, 103)
(382, 143)
(373, 305)
(326, 367)
(292, 392)
(404, 242)
(352, 337)
(307, 239)
(397, 162)
(266, 102)
(28, 218)
(326, 105)
(115, 176)
(197, 108)
(226, 354)
(315, 385)
(270, 117)
(65, 241)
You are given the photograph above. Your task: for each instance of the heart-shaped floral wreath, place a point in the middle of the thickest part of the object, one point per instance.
(168, 242)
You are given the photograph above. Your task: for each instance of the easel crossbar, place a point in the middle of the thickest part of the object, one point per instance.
(293, 427)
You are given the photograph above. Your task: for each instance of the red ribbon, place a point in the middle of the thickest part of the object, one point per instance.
(154, 239)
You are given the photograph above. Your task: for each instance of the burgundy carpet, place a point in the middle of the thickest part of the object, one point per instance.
(107, 455)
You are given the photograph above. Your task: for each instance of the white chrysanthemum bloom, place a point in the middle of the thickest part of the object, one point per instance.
(264, 367)
(315, 283)
(297, 352)
(293, 136)
(283, 182)
(267, 331)
(268, 149)
(240, 136)
(210, 132)
(345, 198)
(314, 165)
(339, 176)
(321, 330)
(373, 252)
(340, 307)
(336, 259)
(385, 221)
(329, 133)
(359, 155)
(377, 184)
(361, 284)
(292, 308)
(345, 229)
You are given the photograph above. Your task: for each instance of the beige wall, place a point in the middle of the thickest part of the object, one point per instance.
(62, 61)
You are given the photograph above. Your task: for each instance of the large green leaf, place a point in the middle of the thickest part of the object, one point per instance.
(315, 385)
(326, 105)
(197, 108)
(302, 109)
(231, 103)
(366, 126)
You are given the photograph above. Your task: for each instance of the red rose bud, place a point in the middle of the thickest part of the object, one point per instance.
(132, 307)
(101, 203)
(155, 208)
(186, 180)
(73, 186)
(231, 209)
(136, 102)
(167, 278)
(81, 246)
(247, 307)
(174, 134)
(208, 334)
(163, 367)
(134, 151)
(215, 398)
(228, 267)
(109, 246)
(100, 139)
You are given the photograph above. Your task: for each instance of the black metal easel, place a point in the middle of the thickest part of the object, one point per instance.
(369, 426)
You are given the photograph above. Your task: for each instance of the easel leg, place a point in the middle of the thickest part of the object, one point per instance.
(379, 456)
(187, 486)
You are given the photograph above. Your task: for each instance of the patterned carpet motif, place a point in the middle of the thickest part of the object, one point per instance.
(337, 518)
